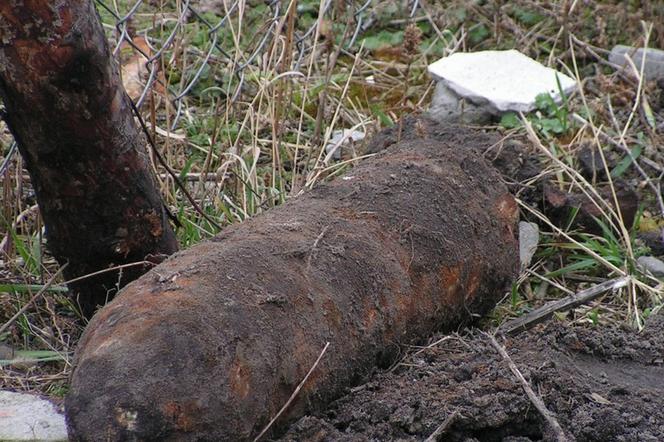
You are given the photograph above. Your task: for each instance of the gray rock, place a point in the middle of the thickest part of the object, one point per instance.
(654, 64)
(528, 241)
(28, 417)
(651, 264)
(500, 81)
(447, 106)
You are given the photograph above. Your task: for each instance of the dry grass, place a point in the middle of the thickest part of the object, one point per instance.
(243, 97)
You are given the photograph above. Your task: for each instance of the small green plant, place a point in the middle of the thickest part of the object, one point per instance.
(593, 316)
(550, 119)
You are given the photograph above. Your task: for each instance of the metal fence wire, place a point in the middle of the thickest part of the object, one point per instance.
(220, 23)
(245, 96)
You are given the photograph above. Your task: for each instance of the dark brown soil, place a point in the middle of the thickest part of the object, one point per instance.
(603, 384)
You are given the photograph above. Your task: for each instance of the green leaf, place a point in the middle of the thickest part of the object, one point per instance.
(383, 39)
(510, 120)
(385, 120)
(647, 110)
(30, 288)
(552, 125)
(627, 161)
(460, 14)
(478, 33)
(186, 168)
(527, 17)
(580, 265)
(545, 103)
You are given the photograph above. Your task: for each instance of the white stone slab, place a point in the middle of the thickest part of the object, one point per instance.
(28, 417)
(504, 80)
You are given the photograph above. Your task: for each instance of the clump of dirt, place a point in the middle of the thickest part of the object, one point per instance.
(513, 157)
(602, 384)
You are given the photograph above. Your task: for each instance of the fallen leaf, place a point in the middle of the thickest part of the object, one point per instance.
(133, 68)
(599, 399)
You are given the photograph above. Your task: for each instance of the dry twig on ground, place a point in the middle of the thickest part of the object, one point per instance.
(534, 398)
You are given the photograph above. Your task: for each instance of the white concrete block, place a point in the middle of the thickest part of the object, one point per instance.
(501, 80)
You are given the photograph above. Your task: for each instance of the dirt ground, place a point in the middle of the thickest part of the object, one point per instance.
(603, 384)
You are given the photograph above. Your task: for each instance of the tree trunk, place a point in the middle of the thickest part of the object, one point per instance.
(71, 117)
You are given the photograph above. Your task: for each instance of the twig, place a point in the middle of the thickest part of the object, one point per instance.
(21, 216)
(534, 398)
(171, 172)
(315, 245)
(571, 301)
(292, 396)
(111, 269)
(442, 428)
(22, 310)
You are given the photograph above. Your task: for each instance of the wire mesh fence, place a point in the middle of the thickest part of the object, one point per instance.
(243, 97)
(227, 47)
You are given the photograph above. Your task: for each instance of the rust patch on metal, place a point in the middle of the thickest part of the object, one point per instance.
(155, 223)
(370, 314)
(239, 375)
(507, 211)
(183, 416)
(332, 313)
(473, 280)
(449, 279)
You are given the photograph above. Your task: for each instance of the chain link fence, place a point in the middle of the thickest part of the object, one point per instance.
(241, 96)
(234, 56)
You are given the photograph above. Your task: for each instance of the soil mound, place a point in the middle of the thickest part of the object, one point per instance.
(602, 384)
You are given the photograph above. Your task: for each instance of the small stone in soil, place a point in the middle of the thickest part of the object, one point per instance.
(28, 417)
(652, 264)
(528, 240)
(653, 68)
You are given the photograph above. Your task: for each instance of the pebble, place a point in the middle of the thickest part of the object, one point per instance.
(528, 241)
(447, 106)
(652, 264)
(654, 64)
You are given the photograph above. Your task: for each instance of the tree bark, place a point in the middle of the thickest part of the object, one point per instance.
(67, 109)
(212, 343)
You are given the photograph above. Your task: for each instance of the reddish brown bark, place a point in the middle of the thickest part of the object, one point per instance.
(72, 120)
(211, 343)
